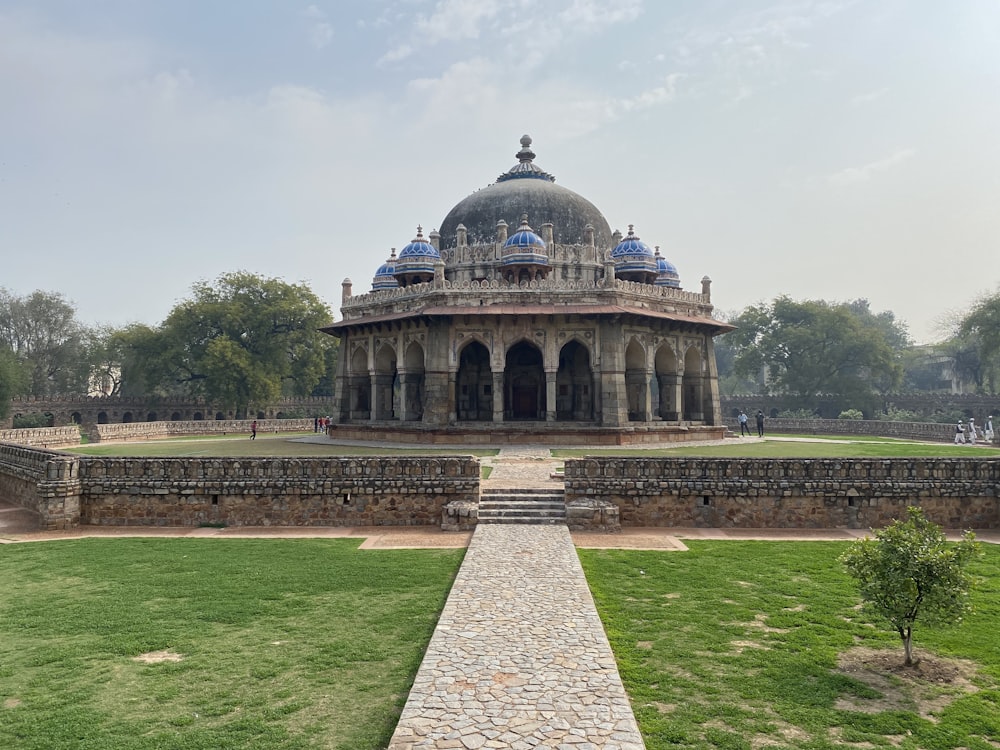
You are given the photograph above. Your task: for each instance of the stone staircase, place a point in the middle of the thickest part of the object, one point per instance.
(530, 506)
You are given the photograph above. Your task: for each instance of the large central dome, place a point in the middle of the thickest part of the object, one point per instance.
(526, 189)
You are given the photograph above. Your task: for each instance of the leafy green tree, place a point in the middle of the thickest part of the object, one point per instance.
(13, 380)
(239, 341)
(977, 343)
(909, 572)
(815, 347)
(42, 331)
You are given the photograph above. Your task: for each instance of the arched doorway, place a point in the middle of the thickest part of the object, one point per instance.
(666, 403)
(361, 385)
(574, 384)
(636, 384)
(412, 384)
(474, 384)
(693, 385)
(524, 383)
(386, 386)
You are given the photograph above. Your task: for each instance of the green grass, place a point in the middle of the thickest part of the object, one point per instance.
(287, 644)
(776, 448)
(735, 645)
(265, 445)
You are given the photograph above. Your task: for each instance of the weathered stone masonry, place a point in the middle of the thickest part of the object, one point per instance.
(67, 491)
(786, 493)
(42, 481)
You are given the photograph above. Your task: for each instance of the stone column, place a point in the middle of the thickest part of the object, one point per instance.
(498, 396)
(550, 395)
(645, 399)
(374, 397)
(612, 392)
(678, 399)
(404, 394)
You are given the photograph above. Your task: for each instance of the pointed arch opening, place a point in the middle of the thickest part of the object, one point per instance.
(667, 394)
(360, 385)
(636, 383)
(693, 385)
(411, 384)
(574, 384)
(386, 383)
(474, 384)
(524, 383)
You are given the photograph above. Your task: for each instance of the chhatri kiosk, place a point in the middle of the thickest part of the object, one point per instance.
(525, 319)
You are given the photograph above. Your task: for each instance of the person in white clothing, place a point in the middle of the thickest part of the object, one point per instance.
(970, 435)
(959, 433)
(988, 429)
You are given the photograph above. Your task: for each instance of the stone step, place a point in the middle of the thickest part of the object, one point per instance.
(523, 520)
(518, 505)
(531, 506)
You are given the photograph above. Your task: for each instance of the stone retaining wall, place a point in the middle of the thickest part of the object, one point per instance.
(929, 431)
(120, 433)
(787, 493)
(67, 491)
(43, 481)
(357, 491)
(43, 437)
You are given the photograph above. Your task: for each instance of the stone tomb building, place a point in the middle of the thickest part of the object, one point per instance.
(526, 319)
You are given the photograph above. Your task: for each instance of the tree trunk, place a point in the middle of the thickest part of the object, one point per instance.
(907, 637)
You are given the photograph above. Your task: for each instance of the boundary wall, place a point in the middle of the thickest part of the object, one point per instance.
(43, 437)
(125, 432)
(69, 491)
(42, 481)
(783, 493)
(930, 431)
(601, 492)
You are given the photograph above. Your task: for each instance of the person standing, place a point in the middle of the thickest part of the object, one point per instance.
(253, 430)
(970, 436)
(760, 423)
(988, 429)
(744, 427)
(959, 433)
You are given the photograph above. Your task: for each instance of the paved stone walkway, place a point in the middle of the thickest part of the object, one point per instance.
(519, 658)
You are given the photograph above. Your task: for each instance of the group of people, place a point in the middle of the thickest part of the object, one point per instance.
(968, 433)
(320, 424)
(745, 428)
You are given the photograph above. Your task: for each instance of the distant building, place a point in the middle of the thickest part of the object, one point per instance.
(526, 319)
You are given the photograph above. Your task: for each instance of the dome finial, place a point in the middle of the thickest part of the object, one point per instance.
(525, 154)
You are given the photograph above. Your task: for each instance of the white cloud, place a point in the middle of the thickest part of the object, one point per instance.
(597, 14)
(854, 175)
(868, 97)
(396, 54)
(320, 32)
(458, 19)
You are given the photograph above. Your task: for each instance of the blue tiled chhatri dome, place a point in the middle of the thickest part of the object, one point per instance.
(524, 257)
(416, 261)
(666, 272)
(634, 261)
(385, 276)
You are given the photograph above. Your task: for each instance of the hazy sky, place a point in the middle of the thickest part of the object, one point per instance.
(821, 150)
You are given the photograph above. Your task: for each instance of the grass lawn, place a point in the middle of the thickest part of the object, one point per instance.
(251, 644)
(737, 644)
(283, 444)
(800, 448)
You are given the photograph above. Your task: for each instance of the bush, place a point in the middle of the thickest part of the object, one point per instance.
(798, 414)
(31, 421)
(851, 414)
(892, 414)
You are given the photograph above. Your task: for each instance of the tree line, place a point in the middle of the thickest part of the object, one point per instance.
(801, 349)
(238, 341)
(244, 339)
